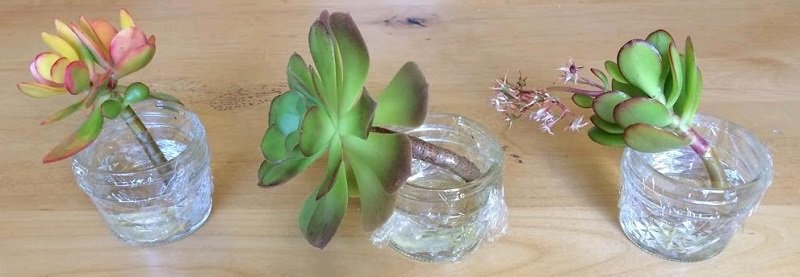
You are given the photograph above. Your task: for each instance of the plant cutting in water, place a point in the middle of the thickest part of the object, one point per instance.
(646, 100)
(328, 110)
(90, 57)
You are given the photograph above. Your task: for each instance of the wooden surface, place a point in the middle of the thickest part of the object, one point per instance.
(226, 60)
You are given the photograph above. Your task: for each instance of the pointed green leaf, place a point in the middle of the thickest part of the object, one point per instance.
(688, 102)
(323, 52)
(354, 58)
(319, 219)
(334, 162)
(135, 93)
(359, 118)
(607, 139)
(404, 102)
(61, 114)
(628, 89)
(650, 139)
(276, 173)
(299, 77)
(292, 140)
(604, 104)
(640, 63)
(613, 71)
(39, 91)
(273, 144)
(111, 108)
(316, 131)
(606, 126)
(603, 78)
(661, 40)
(78, 140)
(376, 204)
(391, 165)
(582, 101)
(642, 110)
(677, 74)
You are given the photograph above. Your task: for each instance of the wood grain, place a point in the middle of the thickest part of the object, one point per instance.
(226, 60)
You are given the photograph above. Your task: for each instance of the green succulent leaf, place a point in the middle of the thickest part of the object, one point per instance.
(275, 173)
(676, 84)
(135, 93)
(391, 165)
(299, 77)
(603, 78)
(323, 51)
(651, 139)
(164, 97)
(608, 127)
(358, 119)
(273, 144)
(354, 58)
(111, 108)
(287, 110)
(61, 114)
(404, 102)
(688, 101)
(376, 204)
(642, 110)
(628, 89)
(320, 218)
(604, 104)
(661, 40)
(316, 131)
(641, 65)
(582, 101)
(292, 141)
(604, 138)
(334, 162)
(78, 140)
(613, 71)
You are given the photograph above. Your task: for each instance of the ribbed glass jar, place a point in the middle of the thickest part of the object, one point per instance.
(142, 204)
(667, 206)
(439, 217)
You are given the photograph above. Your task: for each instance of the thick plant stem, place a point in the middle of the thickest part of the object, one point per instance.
(710, 159)
(144, 138)
(439, 156)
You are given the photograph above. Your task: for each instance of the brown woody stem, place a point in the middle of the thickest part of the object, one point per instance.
(144, 138)
(439, 156)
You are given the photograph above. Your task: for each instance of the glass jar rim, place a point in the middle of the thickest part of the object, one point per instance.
(191, 147)
(752, 141)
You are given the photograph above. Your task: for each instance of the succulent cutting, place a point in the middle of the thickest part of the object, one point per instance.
(328, 110)
(645, 100)
(89, 57)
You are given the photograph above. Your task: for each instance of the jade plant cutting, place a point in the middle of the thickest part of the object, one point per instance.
(327, 110)
(88, 58)
(645, 100)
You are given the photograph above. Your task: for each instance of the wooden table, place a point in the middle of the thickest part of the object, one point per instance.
(226, 60)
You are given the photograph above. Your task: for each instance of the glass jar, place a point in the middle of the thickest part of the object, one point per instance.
(667, 206)
(143, 204)
(439, 217)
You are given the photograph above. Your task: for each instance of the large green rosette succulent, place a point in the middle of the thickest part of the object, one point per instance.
(327, 110)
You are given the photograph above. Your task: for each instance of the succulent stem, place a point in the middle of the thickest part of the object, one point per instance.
(710, 160)
(439, 156)
(144, 137)
(578, 91)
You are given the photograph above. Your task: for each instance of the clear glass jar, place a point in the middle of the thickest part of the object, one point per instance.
(142, 204)
(667, 206)
(439, 217)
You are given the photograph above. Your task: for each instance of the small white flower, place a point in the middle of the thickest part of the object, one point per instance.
(577, 124)
(570, 72)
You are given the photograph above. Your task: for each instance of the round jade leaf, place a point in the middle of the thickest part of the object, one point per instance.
(651, 139)
(135, 93)
(640, 63)
(604, 104)
(642, 110)
(604, 138)
(582, 101)
(111, 108)
(606, 126)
